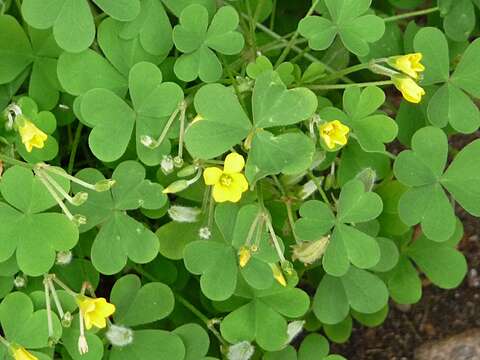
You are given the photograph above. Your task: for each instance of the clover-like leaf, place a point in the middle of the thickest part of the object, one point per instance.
(442, 263)
(24, 326)
(137, 304)
(35, 236)
(358, 289)
(153, 104)
(262, 318)
(449, 104)
(120, 236)
(195, 339)
(348, 20)
(70, 342)
(458, 18)
(422, 168)
(197, 40)
(224, 124)
(347, 244)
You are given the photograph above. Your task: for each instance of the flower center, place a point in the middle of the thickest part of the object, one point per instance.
(225, 180)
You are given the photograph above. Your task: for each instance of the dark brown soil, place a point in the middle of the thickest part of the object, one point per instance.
(439, 314)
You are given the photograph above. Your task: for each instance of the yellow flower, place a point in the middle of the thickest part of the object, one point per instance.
(95, 311)
(334, 133)
(244, 255)
(19, 353)
(278, 274)
(410, 90)
(409, 64)
(229, 183)
(31, 135)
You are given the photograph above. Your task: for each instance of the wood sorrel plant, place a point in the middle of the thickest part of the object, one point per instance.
(214, 179)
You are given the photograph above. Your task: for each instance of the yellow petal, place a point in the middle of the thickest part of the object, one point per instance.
(220, 193)
(212, 175)
(239, 181)
(410, 90)
(103, 307)
(234, 163)
(244, 255)
(334, 133)
(31, 135)
(22, 354)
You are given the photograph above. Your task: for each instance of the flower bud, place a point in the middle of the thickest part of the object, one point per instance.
(67, 319)
(244, 255)
(79, 198)
(184, 213)
(167, 164)
(307, 189)
(310, 251)
(119, 335)
(188, 170)
(104, 185)
(148, 141)
(176, 187)
(79, 219)
(64, 257)
(204, 233)
(20, 281)
(278, 274)
(241, 351)
(329, 182)
(178, 162)
(82, 345)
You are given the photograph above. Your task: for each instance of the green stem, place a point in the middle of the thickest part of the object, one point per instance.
(345, 86)
(13, 161)
(346, 71)
(411, 14)
(62, 285)
(307, 56)
(73, 152)
(290, 44)
(4, 342)
(319, 187)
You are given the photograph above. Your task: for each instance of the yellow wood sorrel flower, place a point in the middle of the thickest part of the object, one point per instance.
(278, 274)
(94, 311)
(334, 133)
(408, 64)
(19, 353)
(244, 255)
(32, 137)
(410, 90)
(229, 183)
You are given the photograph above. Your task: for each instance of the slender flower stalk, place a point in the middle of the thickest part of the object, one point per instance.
(48, 306)
(54, 195)
(151, 143)
(56, 300)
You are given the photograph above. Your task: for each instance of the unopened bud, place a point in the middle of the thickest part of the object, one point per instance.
(287, 267)
(82, 345)
(178, 162)
(204, 233)
(20, 281)
(367, 176)
(329, 182)
(51, 342)
(188, 170)
(67, 319)
(197, 118)
(176, 187)
(79, 198)
(79, 219)
(167, 164)
(307, 189)
(184, 213)
(278, 274)
(104, 185)
(310, 251)
(244, 255)
(148, 141)
(119, 335)
(241, 351)
(294, 329)
(64, 257)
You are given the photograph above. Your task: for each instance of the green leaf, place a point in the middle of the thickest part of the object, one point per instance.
(120, 236)
(340, 332)
(347, 19)
(288, 353)
(467, 74)
(195, 339)
(137, 305)
(157, 344)
(459, 22)
(123, 10)
(316, 220)
(357, 205)
(15, 49)
(330, 303)
(461, 178)
(389, 219)
(174, 236)
(452, 105)
(177, 6)
(372, 129)
(314, 346)
(274, 105)
(431, 42)
(22, 325)
(79, 73)
(35, 236)
(197, 41)
(205, 258)
(72, 21)
(223, 125)
(70, 341)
